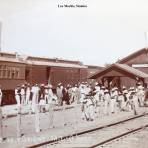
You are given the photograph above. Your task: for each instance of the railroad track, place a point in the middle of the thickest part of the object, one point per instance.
(89, 133)
(117, 137)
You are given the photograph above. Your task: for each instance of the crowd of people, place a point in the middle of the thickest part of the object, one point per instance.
(94, 100)
(103, 101)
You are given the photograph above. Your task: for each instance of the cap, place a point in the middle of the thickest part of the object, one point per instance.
(46, 86)
(125, 92)
(59, 84)
(138, 83)
(123, 87)
(96, 83)
(133, 92)
(131, 88)
(120, 93)
(115, 88)
(102, 87)
(50, 86)
(76, 85)
(106, 91)
(28, 84)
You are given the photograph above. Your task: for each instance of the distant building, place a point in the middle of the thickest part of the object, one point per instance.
(125, 72)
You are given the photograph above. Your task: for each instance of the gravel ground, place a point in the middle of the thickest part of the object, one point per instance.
(72, 118)
(135, 140)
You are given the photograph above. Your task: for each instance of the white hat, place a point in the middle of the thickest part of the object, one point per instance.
(123, 87)
(59, 84)
(131, 88)
(106, 91)
(134, 91)
(96, 83)
(46, 86)
(115, 88)
(139, 83)
(42, 85)
(102, 87)
(50, 86)
(125, 92)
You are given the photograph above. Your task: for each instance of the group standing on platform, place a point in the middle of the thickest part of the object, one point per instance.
(95, 101)
(102, 101)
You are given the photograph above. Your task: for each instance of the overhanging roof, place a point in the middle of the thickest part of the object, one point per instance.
(133, 55)
(122, 67)
(13, 60)
(56, 64)
(40, 61)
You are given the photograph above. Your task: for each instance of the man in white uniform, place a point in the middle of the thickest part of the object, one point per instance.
(50, 93)
(18, 100)
(128, 102)
(135, 101)
(141, 94)
(35, 97)
(121, 101)
(59, 93)
(28, 92)
(107, 100)
(18, 95)
(47, 94)
(90, 110)
(101, 100)
(114, 96)
(83, 93)
(97, 97)
(23, 95)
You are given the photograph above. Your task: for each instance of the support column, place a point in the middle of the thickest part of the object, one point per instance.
(37, 119)
(19, 121)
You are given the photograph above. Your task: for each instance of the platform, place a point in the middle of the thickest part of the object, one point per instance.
(31, 138)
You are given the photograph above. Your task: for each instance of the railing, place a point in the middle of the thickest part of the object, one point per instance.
(27, 122)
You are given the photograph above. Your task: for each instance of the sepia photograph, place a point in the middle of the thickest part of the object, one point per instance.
(73, 74)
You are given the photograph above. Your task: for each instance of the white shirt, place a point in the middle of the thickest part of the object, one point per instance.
(1, 93)
(97, 89)
(16, 91)
(22, 91)
(107, 97)
(35, 90)
(50, 92)
(28, 90)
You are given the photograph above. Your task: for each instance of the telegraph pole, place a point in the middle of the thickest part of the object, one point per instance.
(0, 36)
(146, 42)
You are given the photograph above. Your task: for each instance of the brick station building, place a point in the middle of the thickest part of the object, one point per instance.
(125, 72)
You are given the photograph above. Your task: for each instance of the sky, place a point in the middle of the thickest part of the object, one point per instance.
(105, 31)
